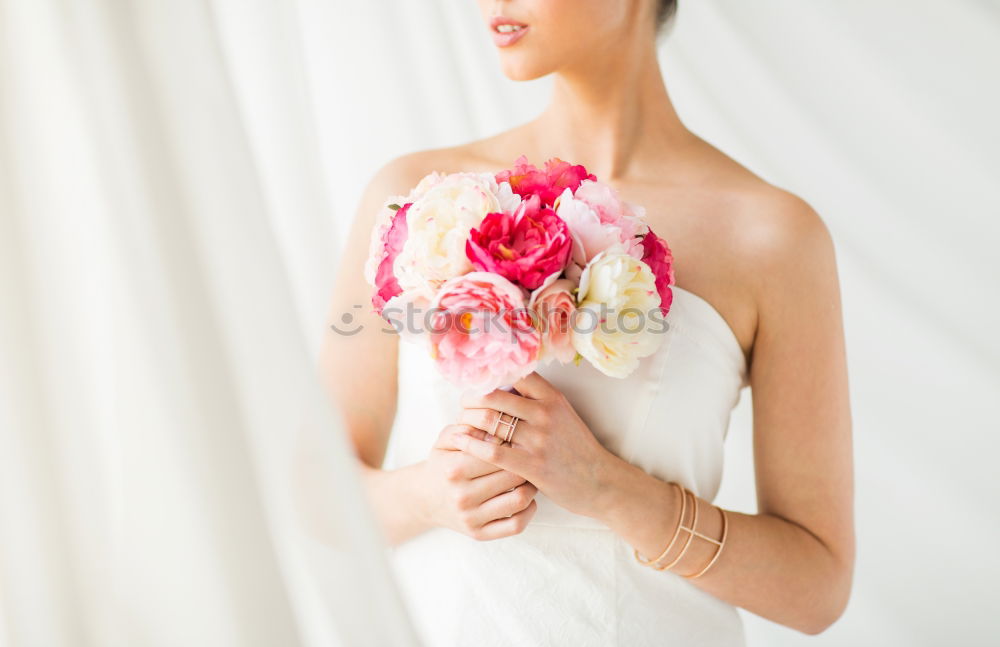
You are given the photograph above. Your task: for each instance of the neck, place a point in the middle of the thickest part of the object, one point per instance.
(607, 116)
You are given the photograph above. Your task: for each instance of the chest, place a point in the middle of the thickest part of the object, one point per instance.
(703, 232)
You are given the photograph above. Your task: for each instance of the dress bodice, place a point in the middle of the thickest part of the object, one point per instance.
(669, 417)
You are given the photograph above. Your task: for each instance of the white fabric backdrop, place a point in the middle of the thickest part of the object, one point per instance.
(165, 218)
(173, 180)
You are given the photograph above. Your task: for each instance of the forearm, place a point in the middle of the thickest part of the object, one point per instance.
(398, 500)
(769, 566)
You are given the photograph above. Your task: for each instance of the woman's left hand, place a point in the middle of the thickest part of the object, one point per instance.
(551, 448)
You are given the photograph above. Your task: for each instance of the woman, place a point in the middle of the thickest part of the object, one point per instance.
(551, 539)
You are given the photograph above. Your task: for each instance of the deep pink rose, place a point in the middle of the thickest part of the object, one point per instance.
(656, 254)
(526, 179)
(524, 247)
(386, 285)
(481, 332)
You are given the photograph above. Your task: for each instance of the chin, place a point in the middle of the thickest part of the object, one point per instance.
(516, 68)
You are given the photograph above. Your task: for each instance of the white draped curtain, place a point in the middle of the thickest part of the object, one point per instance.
(175, 179)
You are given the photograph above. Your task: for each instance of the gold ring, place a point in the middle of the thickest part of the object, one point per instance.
(510, 425)
(493, 431)
(513, 426)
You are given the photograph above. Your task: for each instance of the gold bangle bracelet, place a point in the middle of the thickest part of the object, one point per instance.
(673, 540)
(718, 551)
(694, 522)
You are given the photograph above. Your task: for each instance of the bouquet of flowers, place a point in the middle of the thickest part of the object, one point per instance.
(523, 266)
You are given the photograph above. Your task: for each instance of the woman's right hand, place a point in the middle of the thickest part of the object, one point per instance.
(471, 496)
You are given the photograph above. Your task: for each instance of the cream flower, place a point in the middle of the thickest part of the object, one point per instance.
(383, 221)
(438, 225)
(617, 320)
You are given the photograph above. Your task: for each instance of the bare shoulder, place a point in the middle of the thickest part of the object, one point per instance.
(744, 244)
(395, 177)
(780, 250)
(779, 229)
(403, 172)
(768, 231)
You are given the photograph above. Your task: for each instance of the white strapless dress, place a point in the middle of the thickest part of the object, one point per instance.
(568, 580)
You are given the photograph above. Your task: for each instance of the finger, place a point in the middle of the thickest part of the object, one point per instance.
(534, 386)
(490, 485)
(475, 432)
(506, 457)
(449, 436)
(511, 403)
(508, 503)
(484, 420)
(509, 525)
(464, 465)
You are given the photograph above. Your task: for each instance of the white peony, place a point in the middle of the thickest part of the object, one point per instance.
(618, 319)
(383, 220)
(438, 225)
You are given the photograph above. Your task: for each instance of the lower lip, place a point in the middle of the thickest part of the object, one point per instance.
(508, 39)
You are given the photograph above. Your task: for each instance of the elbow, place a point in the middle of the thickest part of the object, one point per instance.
(831, 604)
(821, 621)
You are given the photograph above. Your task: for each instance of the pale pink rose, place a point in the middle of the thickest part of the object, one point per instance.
(553, 305)
(481, 332)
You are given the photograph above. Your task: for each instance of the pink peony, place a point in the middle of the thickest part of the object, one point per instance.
(656, 254)
(527, 179)
(611, 209)
(525, 247)
(553, 306)
(481, 332)
(386, 285)
(605, 225)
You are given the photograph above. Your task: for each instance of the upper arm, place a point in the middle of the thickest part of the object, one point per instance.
(359, 351)
(798, 375)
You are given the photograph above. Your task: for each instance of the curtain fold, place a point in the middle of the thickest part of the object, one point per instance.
(168, 251)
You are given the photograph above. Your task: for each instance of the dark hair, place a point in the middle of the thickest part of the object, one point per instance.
(664, 10)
